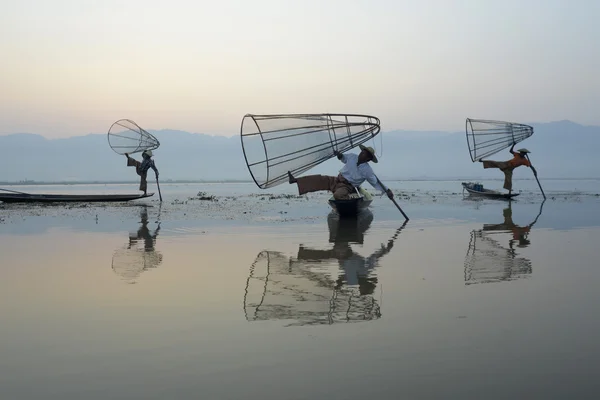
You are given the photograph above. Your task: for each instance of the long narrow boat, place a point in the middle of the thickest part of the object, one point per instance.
(68, 198)
(351, 207)
(474, 190)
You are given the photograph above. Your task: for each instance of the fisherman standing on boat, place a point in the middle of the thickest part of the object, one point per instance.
(355, 171)
(141, 168)
(508, 166)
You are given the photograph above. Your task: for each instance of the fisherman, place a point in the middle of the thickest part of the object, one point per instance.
(142, 168)
(355, 171)
(508, 166)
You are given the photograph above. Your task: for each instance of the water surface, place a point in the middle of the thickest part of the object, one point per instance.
(195, 299)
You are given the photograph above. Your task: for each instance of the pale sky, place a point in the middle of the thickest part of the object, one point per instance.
(73, 67)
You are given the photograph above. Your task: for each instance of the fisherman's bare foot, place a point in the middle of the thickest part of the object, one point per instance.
(292, 179)
(480, 160)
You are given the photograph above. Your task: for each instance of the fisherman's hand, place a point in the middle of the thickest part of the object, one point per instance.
(337, 154)
(390, 194)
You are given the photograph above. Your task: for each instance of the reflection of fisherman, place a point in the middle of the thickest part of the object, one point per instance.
(142, 168)
(144, 234)
(356, 170)
(520, 233)
(356, 268)
(139, 254)
(508, 166)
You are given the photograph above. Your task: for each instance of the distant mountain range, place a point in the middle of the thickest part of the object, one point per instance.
(560, 149)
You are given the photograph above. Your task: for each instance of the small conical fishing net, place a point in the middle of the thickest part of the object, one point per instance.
(129, 263)
(125, 136)
(485, 137)
(487, 261)
(276, 144)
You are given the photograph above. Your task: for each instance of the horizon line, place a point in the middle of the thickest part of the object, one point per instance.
(181, 181)
(237, 134)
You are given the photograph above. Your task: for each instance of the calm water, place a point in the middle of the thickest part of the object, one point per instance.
(252, 297)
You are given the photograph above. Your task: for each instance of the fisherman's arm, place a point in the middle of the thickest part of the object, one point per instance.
(153, 166)
(372, 179)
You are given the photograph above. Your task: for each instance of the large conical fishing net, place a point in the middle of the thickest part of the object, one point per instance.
(487, 261)
(485, 137)
(302, 292)
(125, 136)
(276, 144)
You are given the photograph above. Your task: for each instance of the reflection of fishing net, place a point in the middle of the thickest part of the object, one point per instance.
(486, 261)
(130, 263)
(276, 144)
(281, 289)
(125, 136)
(485, 138)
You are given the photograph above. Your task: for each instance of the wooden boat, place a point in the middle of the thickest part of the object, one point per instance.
(475, 189)
(68, 198)
(354, 205)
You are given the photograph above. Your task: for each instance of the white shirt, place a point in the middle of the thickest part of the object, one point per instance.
(357, 174)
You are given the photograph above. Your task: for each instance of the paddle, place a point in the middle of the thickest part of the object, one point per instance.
(158, 186)
(536, 177)
(394, 200)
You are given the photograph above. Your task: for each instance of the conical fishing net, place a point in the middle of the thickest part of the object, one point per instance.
(485, 137)
(125, 136)
(276, 144)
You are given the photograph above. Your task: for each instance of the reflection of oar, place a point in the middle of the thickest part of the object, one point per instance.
(399, 230)
(394, 200)
(391, 241)
(540, 213)
(536, 177)
(158, 216)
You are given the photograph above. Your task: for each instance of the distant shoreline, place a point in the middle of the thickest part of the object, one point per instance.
(172, 181)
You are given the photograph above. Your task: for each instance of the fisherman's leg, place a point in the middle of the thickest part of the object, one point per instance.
(508, 179)
(143, 184)
(314, 183)
(133, 163)
(490, 164)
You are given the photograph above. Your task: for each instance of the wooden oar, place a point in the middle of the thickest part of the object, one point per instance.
(394, 200)
(536, 177)
(158, 186)
(13, 191)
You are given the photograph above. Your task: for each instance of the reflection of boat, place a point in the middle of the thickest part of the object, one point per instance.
(139, 254)
(488, 261)
(349, 230)
(352, 206)
(476, 189)
(68, 198)
(318, 286)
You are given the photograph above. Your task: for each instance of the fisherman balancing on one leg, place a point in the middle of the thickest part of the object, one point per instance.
(142, 168)
(355, 171)
(508, 166)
